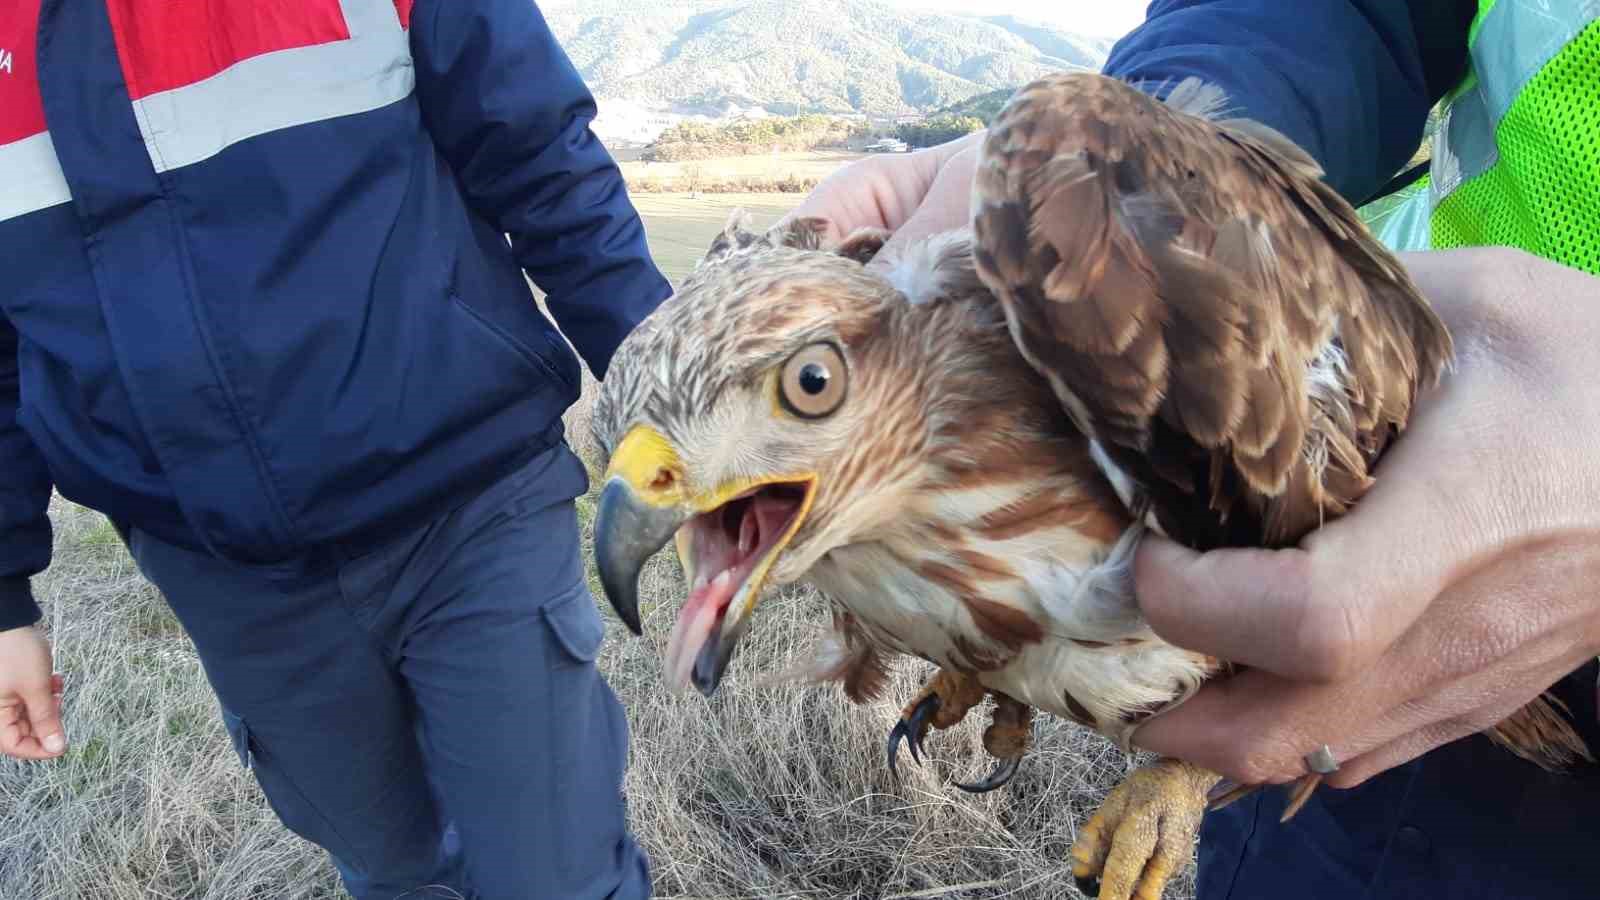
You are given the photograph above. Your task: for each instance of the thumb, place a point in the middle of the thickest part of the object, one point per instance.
(1318, 611)
(1248, 606)
(44, 716)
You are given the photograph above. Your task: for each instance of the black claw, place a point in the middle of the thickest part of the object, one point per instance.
(1001, 774)
(919, 723)
(894, 745)
(912, 731)
(1089, 887)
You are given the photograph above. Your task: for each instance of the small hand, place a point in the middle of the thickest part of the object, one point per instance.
(913, 195)
(30, 697)
(1457, 590)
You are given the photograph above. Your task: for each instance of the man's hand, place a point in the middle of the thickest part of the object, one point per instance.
(913, 194)
(1462, 586)
(30, 697)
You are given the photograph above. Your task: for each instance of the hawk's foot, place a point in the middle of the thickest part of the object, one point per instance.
(943, 703)
(1007, 737)
(1143, 833)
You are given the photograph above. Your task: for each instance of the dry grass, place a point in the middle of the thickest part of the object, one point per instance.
(763, 792)
(807, 164)
(768, 173)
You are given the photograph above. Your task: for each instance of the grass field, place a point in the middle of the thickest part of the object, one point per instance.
(680, 227)
(767, 791)
(809, 164)
(780, 173)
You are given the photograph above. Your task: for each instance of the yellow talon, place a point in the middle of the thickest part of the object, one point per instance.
(1144, 832)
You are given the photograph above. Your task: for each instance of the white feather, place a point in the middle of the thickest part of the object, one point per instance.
(1081, 593)
(1114, 473)
(1329, 370)
(915, 272)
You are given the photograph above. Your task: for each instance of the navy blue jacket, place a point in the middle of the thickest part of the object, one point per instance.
(256, 285)
(1351, 81)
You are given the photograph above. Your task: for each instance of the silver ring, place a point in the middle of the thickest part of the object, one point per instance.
(1321, 761)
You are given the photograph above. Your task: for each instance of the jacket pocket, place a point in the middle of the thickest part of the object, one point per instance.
(576, 624)
(513, 343)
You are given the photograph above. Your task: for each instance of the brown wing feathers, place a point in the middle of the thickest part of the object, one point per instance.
(1212, 312)
(1180, 280)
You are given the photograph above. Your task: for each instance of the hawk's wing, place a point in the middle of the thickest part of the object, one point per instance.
(1207, 308)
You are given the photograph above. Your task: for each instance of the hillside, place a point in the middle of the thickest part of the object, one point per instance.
(983, 106)
(795, 56)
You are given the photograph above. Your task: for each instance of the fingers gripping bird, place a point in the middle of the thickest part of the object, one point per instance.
(1159, 318)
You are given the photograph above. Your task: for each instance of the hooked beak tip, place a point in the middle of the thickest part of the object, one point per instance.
(627, 532)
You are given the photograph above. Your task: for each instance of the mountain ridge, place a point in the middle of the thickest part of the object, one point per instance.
(703, 57)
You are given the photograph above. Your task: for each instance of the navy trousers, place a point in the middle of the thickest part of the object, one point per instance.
(428, 711)
(1468, 821)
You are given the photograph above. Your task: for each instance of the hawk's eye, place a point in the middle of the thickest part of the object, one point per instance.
(813, 380)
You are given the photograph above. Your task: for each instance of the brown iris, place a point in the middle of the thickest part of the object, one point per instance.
(812, 384)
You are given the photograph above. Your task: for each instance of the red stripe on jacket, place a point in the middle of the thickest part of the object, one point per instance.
(21, 110)
(166, 44)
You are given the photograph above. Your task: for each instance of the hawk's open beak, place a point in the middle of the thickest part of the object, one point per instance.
(728, 537)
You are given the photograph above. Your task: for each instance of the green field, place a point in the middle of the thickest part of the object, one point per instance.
(800, 163)
(680, 227)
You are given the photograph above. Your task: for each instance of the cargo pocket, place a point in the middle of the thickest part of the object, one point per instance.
(239, 734)
(582, 754)
(577, 626)
(293, 808)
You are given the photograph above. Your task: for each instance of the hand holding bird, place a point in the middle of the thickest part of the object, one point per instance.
(1458, 589)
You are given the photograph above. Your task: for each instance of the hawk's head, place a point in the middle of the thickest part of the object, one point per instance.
(771, 411)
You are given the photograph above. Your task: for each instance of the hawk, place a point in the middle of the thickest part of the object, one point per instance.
(1159, 318)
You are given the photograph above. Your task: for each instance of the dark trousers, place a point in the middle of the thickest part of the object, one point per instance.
(429, 711)
(1468, 821)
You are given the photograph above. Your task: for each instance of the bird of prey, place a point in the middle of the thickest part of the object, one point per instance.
(1159, 318)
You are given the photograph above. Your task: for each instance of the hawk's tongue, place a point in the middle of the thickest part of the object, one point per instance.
(695, 621)
(736, 555)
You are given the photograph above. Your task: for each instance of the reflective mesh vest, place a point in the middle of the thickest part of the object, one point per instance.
(1516, 156)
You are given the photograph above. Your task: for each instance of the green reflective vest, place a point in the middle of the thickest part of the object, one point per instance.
(1516, 156)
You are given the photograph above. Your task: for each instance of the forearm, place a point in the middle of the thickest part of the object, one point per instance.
(25, 486)
(512, 115)
(1351, 81)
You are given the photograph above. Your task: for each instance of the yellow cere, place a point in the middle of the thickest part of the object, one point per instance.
(647, 462)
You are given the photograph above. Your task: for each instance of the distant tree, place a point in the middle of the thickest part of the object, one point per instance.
(983, 106)
(937, 130)
(772, 134)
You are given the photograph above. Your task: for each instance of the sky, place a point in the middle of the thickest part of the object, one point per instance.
(1100, 18)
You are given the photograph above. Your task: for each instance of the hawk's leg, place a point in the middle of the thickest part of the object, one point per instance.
(943, 703)
(1143, 833)
(1007, 737)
